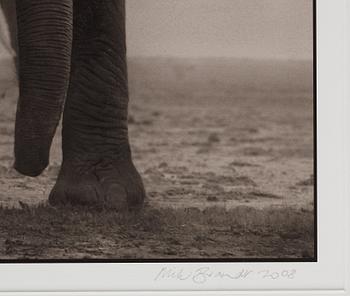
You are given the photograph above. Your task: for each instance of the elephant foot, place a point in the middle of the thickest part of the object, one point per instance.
(107, 184)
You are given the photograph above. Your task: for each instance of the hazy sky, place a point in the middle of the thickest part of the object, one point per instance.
(195, 28)
(243, 28)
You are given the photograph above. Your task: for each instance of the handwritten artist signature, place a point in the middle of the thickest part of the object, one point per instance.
(204, 274)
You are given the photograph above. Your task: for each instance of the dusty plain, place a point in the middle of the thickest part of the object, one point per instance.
(225, 148)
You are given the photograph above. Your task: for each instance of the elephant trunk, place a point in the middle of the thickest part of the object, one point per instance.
(45, 29)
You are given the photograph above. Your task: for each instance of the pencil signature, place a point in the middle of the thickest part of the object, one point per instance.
(204, 274)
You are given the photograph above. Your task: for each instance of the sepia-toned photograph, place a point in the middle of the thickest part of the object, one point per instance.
(157, 131)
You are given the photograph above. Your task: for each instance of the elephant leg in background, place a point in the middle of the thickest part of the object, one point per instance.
(8, 8)
(97, 167)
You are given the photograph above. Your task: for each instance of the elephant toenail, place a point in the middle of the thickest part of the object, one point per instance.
(116, 197)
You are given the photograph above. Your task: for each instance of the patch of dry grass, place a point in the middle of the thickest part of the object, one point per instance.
(44, 232)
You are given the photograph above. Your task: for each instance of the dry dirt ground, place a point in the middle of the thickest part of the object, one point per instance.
(225, 148)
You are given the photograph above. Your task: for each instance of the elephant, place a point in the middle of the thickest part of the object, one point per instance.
(71, 59)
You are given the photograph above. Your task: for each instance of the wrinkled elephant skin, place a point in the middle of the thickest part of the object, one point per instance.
(73, 53)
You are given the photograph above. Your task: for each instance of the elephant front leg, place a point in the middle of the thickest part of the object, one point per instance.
(97, 167)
